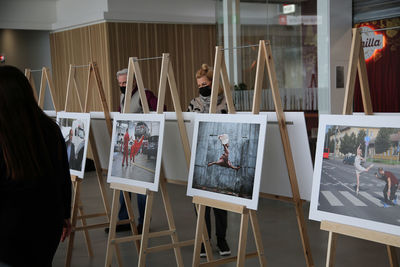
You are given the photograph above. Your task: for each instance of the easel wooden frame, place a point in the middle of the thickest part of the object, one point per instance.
(45, 78)
(201, 202)
(143, 249)
(357, 62)
(265, 54)
(77, 206)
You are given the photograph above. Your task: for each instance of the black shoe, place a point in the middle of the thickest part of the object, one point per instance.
(120, 228)
(139, 229)
(203, 253)
(223, 247)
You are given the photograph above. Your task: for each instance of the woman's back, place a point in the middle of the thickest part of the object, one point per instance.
(35, 186)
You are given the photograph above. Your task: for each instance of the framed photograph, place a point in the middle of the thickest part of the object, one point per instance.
(226, 162)
(75, 129)
(136, 149)
(357, 172)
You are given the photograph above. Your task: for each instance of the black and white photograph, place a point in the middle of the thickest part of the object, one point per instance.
(227, 155)
(357, 171)
(75, 130)
(136, 147)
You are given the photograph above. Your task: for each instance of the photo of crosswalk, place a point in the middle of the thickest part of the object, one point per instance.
(338, 192)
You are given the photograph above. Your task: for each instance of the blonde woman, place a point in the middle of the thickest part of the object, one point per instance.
(359, 169)
(201, 104)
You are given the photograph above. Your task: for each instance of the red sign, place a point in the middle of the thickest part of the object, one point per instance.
(371, 41)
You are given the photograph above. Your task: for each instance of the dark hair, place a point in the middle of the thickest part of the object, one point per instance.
(380, 169)
(22, 141)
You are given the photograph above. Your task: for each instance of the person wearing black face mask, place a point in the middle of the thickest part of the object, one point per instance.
(136, 105)
(201, 104)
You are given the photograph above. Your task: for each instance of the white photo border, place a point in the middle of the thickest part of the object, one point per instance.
(230, 118)
(374, 121)
(138, 117)
(86, 118)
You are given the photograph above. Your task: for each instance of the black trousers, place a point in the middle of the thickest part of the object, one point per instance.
(393, 190)
(221, 222)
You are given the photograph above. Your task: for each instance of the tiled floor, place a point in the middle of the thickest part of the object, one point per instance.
(280, 235)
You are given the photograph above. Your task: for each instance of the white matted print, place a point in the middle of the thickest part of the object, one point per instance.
(136, 149)
(226, 160)
(356, 157)
(75, 130)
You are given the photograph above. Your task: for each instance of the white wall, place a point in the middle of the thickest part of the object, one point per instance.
(74, 13)
(27, 49)
(171, 11)
(27, 14)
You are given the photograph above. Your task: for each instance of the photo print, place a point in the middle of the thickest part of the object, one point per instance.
(75, 130)
(357, 172)
(136, 148)
(226, 161)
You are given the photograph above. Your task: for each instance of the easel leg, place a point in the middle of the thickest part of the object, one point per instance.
(113, 224)
(171, 221)
(75, 201)
(244, 225)
(131, 217)
(330, 257)
(99, 173)
(146, 227)
(199, 230)
(392, 256)
(303, 233)
(85, 231)
(257, 238)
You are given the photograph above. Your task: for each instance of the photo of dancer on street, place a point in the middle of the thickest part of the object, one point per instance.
(131, 136)
(224, 161)
(359, 169)
(356, 181)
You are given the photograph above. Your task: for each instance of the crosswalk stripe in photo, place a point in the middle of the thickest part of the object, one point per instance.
(371, 198)
(353, 199)
(374, 197)
(334, 201)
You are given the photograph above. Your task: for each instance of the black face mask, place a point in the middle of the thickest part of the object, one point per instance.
(205, 90)
(122, 88)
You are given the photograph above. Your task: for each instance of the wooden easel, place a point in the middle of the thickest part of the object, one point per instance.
(143, 249)
(93, 74)
(202, 202)
(357, 62)
(265, 54)
(45, 79)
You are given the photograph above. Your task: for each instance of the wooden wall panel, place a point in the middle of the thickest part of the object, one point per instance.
(188, 45)
(111, 44)
(79, 47)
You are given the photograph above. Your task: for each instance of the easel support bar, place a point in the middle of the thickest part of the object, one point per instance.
(362, 233)
(95, 215)
(170, 246)
(138, 237)
(220, 205)
(129, 188)
(93, 226)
